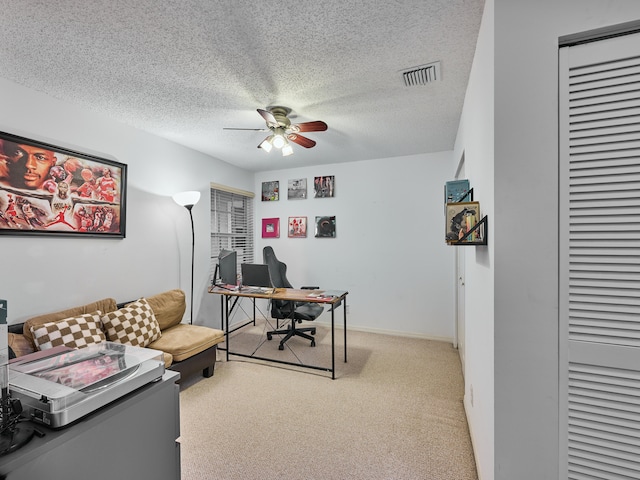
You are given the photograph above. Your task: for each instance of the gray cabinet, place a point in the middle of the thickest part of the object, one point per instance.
(134, 437)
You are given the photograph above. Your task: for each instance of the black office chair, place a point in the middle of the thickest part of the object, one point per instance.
(287, 310)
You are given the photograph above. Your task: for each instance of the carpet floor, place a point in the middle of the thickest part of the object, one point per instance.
(394, 412)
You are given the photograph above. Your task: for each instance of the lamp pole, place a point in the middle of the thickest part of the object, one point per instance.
(193, 250)
(188, 200)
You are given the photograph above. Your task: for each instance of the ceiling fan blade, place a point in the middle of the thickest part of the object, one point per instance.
(300, 140)
(317, 126)
(268, 117)
(250, 129)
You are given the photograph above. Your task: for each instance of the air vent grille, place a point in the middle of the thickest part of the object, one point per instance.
(421, 75)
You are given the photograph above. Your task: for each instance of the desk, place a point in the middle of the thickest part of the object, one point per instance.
(287, 294)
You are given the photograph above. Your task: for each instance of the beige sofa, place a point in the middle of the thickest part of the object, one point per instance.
(186, 348)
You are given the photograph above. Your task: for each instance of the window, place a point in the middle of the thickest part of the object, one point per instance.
(231, 223)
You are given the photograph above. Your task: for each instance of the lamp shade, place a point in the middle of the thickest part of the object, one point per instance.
(187, 199)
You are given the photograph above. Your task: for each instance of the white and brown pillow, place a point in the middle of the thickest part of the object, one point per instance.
(134, 324)
(74, 332)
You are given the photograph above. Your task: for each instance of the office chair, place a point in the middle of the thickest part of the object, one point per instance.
(288, 310)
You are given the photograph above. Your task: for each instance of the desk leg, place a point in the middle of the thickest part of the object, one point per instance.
(226, 322)
(333, 345)
(345, 330)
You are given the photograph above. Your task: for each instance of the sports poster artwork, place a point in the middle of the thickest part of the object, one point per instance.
(50, 190)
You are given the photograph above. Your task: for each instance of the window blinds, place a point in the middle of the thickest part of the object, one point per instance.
(231, 223)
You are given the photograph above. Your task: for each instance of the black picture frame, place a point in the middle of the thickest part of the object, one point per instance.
(54, 191)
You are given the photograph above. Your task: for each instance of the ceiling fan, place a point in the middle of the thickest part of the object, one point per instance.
(283, 131)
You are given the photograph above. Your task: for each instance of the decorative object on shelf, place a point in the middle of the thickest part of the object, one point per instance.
(326, 227)
(188, 200)
(461, 218)
(297, 227)
(270, 191)
(324, 187)
(50, 190)
(297, 189)
(457, 191)
(270, 228)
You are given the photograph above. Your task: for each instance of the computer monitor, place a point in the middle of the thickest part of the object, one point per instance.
(228, 266)
(255, 275)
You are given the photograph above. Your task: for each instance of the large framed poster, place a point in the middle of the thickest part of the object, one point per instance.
(50, 190)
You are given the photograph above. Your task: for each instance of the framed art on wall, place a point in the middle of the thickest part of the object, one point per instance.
(326, 227)
(51, 190)
(270, 191)
(324, 187)
(270, 228)
(297, 227)
(297, 189)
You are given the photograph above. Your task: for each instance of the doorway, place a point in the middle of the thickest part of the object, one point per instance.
(459, 337)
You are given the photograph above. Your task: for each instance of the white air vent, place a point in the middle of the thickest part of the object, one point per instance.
(421, 75)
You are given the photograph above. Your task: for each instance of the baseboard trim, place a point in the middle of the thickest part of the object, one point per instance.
(465, 405)
(395, 333)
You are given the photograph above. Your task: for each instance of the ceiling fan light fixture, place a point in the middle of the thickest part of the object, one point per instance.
(267, 144)
(278, 139)
(287, 150)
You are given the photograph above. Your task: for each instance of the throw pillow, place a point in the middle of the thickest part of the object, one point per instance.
(134, 324)
(74, 332)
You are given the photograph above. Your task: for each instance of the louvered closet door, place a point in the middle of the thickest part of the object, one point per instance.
(600, 259)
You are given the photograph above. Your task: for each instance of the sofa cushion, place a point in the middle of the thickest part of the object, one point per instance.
(168, 307)
(20, 345)
(183, 341)
(105, 305)
(168, 359)
(75, 332)
(134, 324)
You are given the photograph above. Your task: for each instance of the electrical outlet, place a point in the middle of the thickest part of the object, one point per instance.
(348, 309)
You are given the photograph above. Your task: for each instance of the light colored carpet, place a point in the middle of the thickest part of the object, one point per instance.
(394, 412)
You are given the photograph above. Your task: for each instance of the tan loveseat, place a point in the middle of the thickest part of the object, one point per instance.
(187, 348)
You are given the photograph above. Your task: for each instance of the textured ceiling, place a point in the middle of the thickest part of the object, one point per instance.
(185, 69)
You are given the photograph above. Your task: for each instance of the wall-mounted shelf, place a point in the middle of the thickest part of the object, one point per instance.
(463, 225)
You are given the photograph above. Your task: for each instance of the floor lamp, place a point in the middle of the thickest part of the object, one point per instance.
(188, 200)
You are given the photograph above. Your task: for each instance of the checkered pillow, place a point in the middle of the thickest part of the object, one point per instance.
(134, 324)
(74, 332)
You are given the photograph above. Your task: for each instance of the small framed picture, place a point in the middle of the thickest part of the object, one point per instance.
(270, 228)
(270, 191)
(297, 227)
(461, 218)
(324, 187)
(325, 227)
(297, 189)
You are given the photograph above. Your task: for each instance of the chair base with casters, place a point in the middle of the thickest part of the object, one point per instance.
(293, 331)
(307, 311)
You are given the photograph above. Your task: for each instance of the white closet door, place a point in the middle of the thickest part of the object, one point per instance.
(599, 303)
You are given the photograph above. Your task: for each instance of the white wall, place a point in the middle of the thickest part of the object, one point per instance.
(42, 274)
(525, 226)
(389, 251)
(475, 139)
